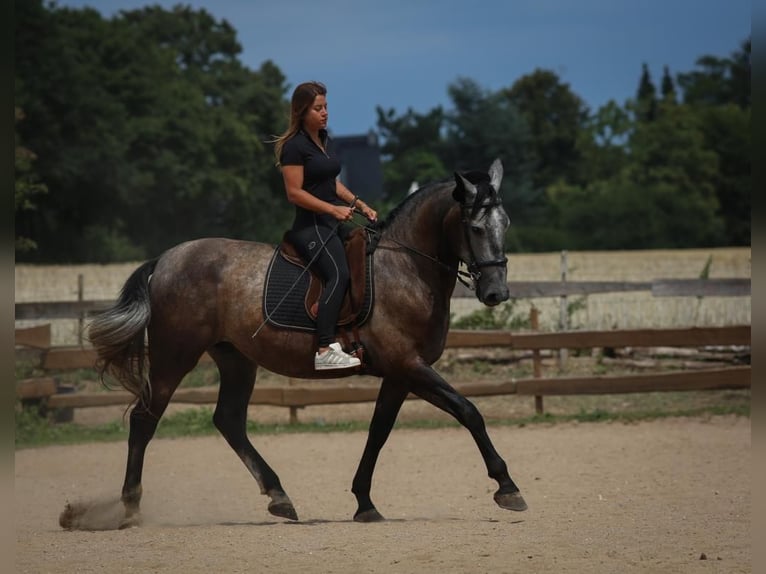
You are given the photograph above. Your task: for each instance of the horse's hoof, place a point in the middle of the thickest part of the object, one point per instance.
(130, 521)
(69, 517)
(283, 509)
(371, 515)
(510, 500)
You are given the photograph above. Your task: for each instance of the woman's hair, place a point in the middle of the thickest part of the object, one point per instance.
(303, 97)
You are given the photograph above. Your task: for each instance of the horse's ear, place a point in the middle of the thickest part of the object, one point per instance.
(465, 192)
(496, 174)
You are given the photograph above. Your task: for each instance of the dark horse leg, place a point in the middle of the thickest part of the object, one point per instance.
(389, 402)
(230, 418)
(428, 385)
(165, 377)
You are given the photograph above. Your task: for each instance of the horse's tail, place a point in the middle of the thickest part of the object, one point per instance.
(118, 334)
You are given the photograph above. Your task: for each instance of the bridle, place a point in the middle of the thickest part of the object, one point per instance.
(470, 277)
(475, 266)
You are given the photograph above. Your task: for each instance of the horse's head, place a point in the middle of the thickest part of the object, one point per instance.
(484, 223)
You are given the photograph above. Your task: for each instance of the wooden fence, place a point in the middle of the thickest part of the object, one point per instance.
(736, 287)
(299, 395)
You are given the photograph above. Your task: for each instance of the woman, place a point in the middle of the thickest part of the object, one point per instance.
(322, 203)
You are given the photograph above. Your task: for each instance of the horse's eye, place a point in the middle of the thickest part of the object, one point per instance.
(477, 229)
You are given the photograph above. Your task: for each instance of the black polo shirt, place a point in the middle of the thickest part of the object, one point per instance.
(319, 169)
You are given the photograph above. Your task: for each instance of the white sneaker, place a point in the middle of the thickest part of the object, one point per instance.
(335, 358)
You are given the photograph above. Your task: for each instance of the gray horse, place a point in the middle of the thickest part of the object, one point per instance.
(206, 296)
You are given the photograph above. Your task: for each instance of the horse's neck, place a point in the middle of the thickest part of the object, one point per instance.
(428, 225)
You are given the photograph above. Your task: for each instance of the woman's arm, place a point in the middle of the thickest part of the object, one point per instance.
(293, 178)
(346, 195)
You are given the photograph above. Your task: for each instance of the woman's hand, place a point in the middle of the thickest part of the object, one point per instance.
(342, 212)
(368, 212)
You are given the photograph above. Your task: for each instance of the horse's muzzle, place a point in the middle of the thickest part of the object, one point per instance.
(494, 295)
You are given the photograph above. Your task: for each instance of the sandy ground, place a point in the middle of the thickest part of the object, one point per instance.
(603, 498)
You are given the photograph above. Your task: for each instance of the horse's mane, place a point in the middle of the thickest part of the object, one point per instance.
(475, 177)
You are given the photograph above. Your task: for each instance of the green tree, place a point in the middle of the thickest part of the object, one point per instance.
(646, 96)
(27, 186)
(74, 123)
(719, 92)
(668, 87)
(602, 143)
(727, 133)
(149, 131)
(485, 125)
(670, 161)
(719, 81)
(555, 117)
(412, 149)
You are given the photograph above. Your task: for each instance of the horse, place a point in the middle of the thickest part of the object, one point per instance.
(205, 295)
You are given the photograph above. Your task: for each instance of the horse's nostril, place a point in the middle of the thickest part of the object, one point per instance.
(496, 297)
(491, 299)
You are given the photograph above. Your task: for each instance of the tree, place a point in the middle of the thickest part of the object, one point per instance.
(26, 186)
(602, 143)
(74, 123)
(412, 149)
(555, 117)
(719, 81)
(148, 129)
(485, 125)
(719, 92)
(670, 161)
(668, 89)
(646, 97)
(727, 133)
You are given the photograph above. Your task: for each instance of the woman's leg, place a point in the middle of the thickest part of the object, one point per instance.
(332, 267)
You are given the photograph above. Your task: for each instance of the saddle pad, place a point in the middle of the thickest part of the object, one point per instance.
(285, 293)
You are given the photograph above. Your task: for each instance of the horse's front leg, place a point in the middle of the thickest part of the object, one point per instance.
(389, 402)
(230, 418)
(429, 386)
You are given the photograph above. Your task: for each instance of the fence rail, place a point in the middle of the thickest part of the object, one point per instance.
(737, 287)
(726, 287)
(299, 396)
(47, 390)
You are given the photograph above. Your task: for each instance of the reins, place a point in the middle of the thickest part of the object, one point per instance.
(431, 258)
(468, 278)
(474, 266)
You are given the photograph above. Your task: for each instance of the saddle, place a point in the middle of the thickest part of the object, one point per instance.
(292, 292)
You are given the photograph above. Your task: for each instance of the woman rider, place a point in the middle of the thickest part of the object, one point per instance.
(322, 203)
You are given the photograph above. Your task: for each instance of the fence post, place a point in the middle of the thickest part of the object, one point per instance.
(80, 299)
(563, 316)
(537, 369)
(293, 408)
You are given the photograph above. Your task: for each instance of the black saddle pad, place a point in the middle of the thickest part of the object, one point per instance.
(285, 293)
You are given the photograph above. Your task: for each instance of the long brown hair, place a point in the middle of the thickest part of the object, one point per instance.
(303, 97)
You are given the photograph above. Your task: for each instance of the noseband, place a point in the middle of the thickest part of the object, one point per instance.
(474, 266)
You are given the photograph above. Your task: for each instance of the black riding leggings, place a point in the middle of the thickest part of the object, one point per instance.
(331, 266)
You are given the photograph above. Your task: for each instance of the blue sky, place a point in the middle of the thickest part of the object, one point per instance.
(404, 53)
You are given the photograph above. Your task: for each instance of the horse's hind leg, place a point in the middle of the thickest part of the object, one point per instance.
(165, 378)
(230, 418)
(389, 402)
(428, 385)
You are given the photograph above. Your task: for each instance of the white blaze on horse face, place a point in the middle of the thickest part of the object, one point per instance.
(488, 231)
